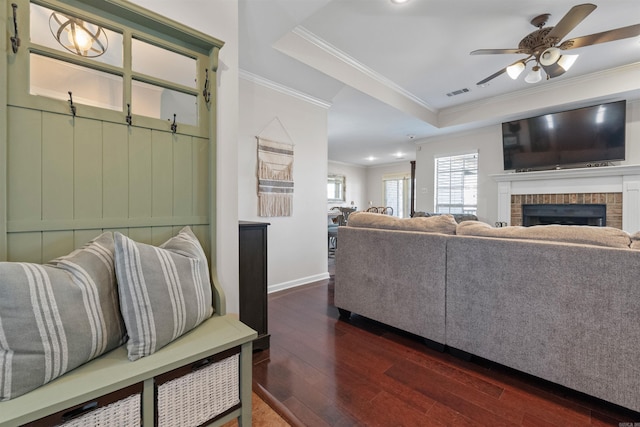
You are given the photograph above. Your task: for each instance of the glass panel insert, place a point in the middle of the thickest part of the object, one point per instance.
(164, 64)
(55, 79)
(45, 24)
(161, 103)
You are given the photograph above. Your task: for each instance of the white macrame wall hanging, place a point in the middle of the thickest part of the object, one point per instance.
(275, 171)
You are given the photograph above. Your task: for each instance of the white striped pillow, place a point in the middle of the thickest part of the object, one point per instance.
(57, 316)
(164, 291)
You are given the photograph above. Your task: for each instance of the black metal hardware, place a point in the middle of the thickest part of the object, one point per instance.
(73, 107)
(128, 118)
(75, 413)
(207, 85)
(15, 40)
(174, 125)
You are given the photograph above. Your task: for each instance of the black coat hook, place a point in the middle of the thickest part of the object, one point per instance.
(128, 118)
(174, 125)
(15, 40)
(73, 107)
(206, 92)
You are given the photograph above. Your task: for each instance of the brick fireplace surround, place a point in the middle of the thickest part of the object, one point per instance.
(616, 186)
(612, 200)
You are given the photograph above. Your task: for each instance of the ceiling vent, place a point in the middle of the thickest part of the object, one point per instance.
(458, 92)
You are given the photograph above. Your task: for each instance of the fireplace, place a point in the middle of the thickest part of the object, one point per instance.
(567, 214)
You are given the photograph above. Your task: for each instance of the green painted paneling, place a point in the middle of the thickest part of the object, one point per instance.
(80, 237)
(87, 169)
(142, 234)
(140, 177)
(182, 175)
(162, 174)
(115, 171)
(25, 247)
(57, 166)
(56, 243)
(159, 235)
(200, 177)
(24, 167)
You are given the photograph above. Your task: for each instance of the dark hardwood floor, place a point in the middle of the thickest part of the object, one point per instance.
(322, 371)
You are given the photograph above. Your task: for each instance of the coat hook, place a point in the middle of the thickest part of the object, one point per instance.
(206, 92)
(73, 107)
(15, 41)
(128, 118)
(174, 125)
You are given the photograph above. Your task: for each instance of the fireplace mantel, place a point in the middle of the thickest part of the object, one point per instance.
(604, 179)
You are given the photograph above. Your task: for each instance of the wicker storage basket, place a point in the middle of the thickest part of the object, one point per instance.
(117, 409)
(199, 395)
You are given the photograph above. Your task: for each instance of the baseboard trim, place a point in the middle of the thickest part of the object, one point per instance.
(298, 282)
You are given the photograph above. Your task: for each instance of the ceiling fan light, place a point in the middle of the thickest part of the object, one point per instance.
(566, 61)
(550, 56)
(534, 76)
(514, 70)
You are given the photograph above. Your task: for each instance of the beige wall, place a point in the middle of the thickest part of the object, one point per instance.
(297, 245)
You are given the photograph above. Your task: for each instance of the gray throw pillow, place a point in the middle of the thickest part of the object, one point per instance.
(164, 291)
(444, 224)
(584, 235)
(635, 240)
(57, 316)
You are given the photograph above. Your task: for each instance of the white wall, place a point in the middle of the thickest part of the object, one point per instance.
(355, 181)
(297, 245)
(220, 20)
(488, 142)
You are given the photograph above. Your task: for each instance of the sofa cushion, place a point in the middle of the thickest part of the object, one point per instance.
(57, 316)
(635, 240)
(164, 291)
(444, 224)
(597, 236)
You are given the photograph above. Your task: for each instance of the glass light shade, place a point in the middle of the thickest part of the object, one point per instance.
(399, 1)
(566, 61)
(534, 76)
(79, 38)
(515, 70)
(550, 56)
(82, 38)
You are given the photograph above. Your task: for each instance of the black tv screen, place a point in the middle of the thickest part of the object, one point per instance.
(574, 137)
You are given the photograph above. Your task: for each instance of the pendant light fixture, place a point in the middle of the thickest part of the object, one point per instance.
(77, 36)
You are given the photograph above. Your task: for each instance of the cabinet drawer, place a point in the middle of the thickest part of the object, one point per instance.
(117, 409)
(199, 392)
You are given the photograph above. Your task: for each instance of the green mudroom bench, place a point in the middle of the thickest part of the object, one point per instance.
(121, 333)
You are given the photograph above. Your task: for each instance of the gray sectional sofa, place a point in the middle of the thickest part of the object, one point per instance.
(558, 302)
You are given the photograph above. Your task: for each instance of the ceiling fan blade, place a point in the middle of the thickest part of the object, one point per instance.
(492, 76)
(495, 51)
(569, 21)
(603, 37)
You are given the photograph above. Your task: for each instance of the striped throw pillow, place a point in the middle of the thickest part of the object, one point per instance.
(57, 316)
(164, 291)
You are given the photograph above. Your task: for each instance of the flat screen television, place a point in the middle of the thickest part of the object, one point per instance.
(580, 137)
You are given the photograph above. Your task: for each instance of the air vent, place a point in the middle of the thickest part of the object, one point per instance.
(458, 92)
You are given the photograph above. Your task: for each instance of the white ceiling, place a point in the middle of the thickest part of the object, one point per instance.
(384, 70)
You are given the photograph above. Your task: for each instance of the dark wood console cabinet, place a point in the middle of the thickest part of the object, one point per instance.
(253, 280)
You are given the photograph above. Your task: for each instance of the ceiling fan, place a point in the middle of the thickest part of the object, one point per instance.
(544, 46)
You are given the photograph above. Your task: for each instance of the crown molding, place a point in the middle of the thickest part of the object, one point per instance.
(352, 62)
(254, 78)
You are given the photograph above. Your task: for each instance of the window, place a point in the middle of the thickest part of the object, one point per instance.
(111, 70)
(396, 193)
(457, 184)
